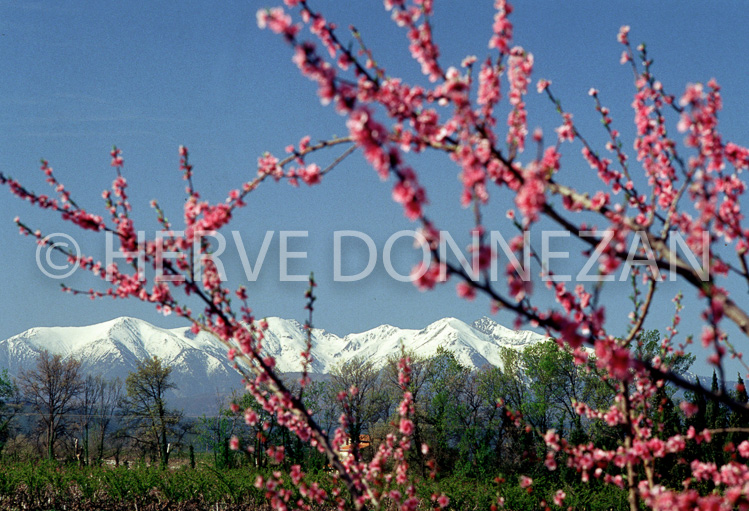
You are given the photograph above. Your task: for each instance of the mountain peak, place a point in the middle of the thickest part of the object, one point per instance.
(506, 335)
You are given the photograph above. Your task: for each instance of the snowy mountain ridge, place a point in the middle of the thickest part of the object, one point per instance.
(474, 345)
(200, 368)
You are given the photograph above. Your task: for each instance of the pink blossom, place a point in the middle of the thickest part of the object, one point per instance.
(426, 277)
(276, 20)
(502, 27)
(744, 449)
(599, 200)
(466, 290)
(488, 93)
(688, 408)
(622, 36)
(559, 497)
(370, 136)
(406, 426)
(443, 501)
(116, 158)
(531, 198)
(620, 363)
(311, 174)
(520, 66)
(250, 417)
(550, 462)
(566, 131)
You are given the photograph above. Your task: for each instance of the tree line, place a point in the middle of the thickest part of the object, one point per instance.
(478, 423)
(55, 410)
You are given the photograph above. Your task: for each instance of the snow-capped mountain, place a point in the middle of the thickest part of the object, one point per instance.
(201, 370)
(474, 345)
(113, 349)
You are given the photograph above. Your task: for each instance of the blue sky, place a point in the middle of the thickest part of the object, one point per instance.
(77, 77)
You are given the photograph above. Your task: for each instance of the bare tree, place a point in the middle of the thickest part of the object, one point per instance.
(87, 401)
(105, 408)
(97, 404)
(52, 388)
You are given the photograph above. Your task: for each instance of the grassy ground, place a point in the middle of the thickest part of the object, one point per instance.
(52, 486)
(44, 485)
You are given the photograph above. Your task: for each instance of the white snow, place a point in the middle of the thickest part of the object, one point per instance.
(473, 346)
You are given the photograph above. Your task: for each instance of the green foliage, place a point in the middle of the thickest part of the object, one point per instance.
(741, 394)
(716, 414)
(146, 410)
(51, 486)
(215, 432)
(362, 407)
(8, 391)
(737, 419)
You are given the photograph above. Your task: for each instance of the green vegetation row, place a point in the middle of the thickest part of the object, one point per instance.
(51, 486)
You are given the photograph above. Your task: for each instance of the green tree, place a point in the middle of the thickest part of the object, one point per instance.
(505, 388)
(716, 417)
(496, 428)
(555, 383)
(448, 411)
(215, 431)
(149, 418)
(360, 382)
(664, 413)
(8, 392)
(737, 419)
(698, 421)
(716, 414)
(264, 430)
(649, 346)
(666, 417)
(418, 388)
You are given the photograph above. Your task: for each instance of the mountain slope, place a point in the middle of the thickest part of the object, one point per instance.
(113, 349)
(474, 345)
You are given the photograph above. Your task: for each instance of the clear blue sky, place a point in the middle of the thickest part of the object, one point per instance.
(77, 77)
